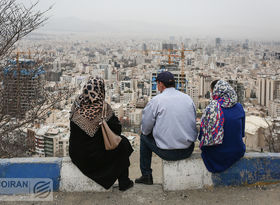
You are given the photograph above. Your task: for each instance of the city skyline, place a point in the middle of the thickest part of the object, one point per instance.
(129, 75)
(129, 67)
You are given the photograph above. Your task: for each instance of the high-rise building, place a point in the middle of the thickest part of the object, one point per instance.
(192, 91)
(171, 38)
(106, 69)
(218, 42)
(22, 87)
(51, 145)
(268, 90)
(239, 89)
(39, 141)
(246, 44)
(274, 108)
(125, 84)
(179, 78)
(169, 46)
(204, 85)
(144, 47)
(277, 55)
(261, 92)
(50, 142)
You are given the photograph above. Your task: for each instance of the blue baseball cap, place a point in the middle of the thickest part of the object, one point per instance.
(165, 77)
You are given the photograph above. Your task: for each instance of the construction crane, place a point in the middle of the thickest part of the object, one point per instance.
(182, 57)
(146, 52)
(172, 53)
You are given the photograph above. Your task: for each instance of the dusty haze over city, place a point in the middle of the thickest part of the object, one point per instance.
(252, 19)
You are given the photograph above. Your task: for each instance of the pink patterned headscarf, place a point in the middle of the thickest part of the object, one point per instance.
(212, 121)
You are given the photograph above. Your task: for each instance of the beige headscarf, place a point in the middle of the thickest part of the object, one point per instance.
(86, 111)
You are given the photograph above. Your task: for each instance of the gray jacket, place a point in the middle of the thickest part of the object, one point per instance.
(171, 116)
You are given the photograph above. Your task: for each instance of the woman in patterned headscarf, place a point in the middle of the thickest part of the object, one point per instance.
(87, 149)
(222, 128)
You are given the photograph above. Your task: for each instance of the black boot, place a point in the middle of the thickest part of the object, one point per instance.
(126, 185)
(124, 181)
(145, 179)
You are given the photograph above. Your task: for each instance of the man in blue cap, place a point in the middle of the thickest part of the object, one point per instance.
(168, 126)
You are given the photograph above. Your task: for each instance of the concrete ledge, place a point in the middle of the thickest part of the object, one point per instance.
(177, 175)
(32, 168)
(192, 174)
(73, 180)
(64, 174)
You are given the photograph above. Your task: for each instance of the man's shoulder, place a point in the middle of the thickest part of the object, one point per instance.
(174, 93)
(186, 96)
(157, 97)
(153, 101)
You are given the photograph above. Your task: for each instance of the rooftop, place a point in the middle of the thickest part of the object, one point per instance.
(253, 123)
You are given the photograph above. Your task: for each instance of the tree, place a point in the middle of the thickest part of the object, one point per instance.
(273, 139)
(16, 21)
(13, 141)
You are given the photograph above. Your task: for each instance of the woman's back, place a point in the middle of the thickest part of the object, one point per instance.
(220, 157)
(86, 145)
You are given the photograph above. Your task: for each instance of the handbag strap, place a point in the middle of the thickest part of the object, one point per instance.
(104, 110)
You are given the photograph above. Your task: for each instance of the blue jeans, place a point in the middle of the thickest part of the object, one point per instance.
(148, 145)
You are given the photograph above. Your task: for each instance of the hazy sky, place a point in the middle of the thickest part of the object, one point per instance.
(259, 15)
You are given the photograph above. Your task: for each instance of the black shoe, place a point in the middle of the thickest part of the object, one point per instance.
(145, 179)
(128, 185)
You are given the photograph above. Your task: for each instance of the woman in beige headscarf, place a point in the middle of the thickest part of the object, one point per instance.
(86, 147)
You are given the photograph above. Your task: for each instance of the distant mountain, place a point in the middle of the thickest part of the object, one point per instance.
(127, 27)
(73, 24)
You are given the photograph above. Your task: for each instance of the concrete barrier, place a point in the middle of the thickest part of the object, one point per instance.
(48, 167)
(253, 168)
(65, 175)
(179, 175)
(73, 180)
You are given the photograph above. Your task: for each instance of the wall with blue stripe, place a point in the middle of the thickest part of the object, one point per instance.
(191, 173)
(32, 168)
(253, 168)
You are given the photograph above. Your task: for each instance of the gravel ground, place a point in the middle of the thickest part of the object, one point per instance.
(144, 194)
